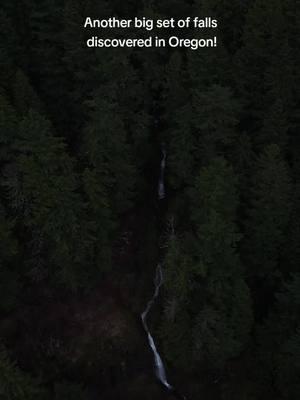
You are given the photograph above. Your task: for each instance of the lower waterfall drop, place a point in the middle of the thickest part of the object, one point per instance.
(159, 366)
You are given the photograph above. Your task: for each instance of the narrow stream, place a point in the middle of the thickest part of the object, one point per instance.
(158, 281)
(161, 182)
(159, 366)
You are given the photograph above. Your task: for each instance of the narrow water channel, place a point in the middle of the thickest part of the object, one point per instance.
(160, 370)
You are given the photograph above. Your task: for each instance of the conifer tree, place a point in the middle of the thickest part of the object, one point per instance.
(8, 128)
(24, 95)
(269, 214)
(265, 58)
(14, 383)
(9, 275)
(42, 188)
(217, 310)
(279, 341)
(177, 119)
(223, 312)
(117, 131)
(176, 324)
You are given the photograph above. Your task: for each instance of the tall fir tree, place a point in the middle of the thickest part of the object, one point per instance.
(268, 215)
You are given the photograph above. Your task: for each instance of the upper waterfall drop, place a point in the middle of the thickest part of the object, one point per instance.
(161, 182)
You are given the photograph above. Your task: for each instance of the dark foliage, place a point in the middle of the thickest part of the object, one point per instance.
(80, 225)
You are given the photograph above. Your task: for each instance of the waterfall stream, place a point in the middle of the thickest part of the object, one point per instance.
(158, 363)
(161, 182)
(158, 281)
(159, 366)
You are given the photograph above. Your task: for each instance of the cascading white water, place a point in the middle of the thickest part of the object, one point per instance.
(159, 366)
(161, 182)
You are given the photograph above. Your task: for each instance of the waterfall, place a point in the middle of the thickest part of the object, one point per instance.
(161, 182)
(159, 366)
(158, 281)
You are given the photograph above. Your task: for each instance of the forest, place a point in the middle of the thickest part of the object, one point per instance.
(82, 229)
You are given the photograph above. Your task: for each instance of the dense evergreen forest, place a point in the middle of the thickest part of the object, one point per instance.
(82, 229)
